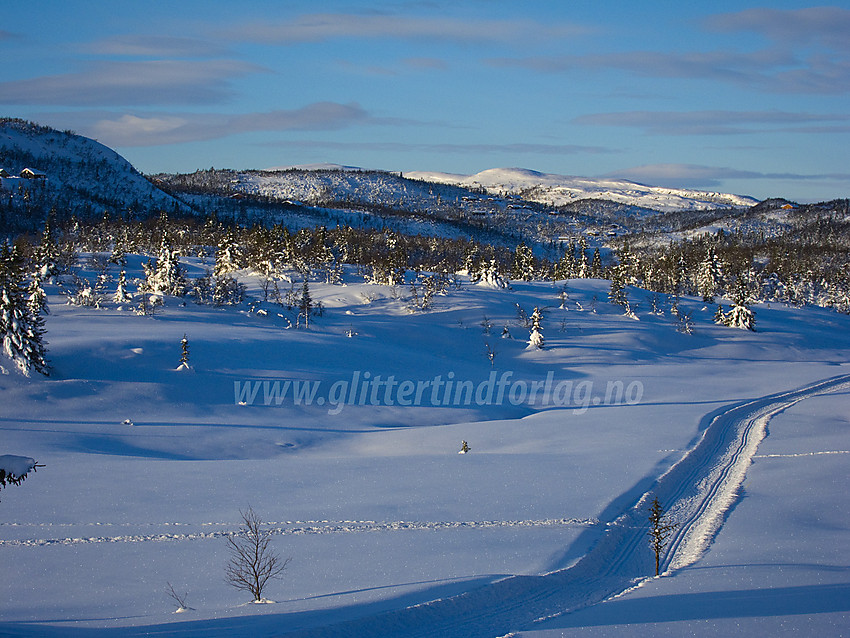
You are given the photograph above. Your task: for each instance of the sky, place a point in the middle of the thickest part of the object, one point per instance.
(739, 97)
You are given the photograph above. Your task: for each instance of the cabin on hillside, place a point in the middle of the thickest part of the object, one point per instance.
(31, 173)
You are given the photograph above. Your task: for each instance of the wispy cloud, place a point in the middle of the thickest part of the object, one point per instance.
(319, 27)
(156, 46)
(789, 65)
(447, 148)
(703, 177)
(153, 129)
(771, 70)
(719, 122)
(7, 35)
(825, 26)
(109, 83)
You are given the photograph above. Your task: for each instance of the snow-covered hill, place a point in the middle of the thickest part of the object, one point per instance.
(81, 175)
(559, 190)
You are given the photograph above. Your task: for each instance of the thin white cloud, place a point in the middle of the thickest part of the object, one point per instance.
(719, 122)
(770, 70)
(807, 54)
(703, 177)
(825, 26)
(320, 27)
(447, 148)
(153, 129)
(156, 46)
(109, 83)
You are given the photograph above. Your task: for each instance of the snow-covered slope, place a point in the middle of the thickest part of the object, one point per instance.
(82, 176)
(146, 466)
(559, 190)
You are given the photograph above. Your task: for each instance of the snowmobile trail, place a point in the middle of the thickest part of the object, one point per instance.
(697, 492)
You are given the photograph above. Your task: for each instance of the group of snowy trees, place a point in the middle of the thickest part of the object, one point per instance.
(22, 306)
(744, 268)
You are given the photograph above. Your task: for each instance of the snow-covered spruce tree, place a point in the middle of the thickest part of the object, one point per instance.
(305, 304)
(121, 295)
(14, 469)
(46, 254)
(709, 276)
(226, 255)
(489, 276)
(524, 266)
(36, 297)
(567, 266)
(740, 316)
(21, 331)
(167, 276)
(583, 264)
(617, 291)
(184, 352)
(596, 264)
(535, 337)
(659, 531)
(472, 263)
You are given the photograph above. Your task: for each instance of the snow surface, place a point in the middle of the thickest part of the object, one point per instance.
(558, 190)
(146, 469)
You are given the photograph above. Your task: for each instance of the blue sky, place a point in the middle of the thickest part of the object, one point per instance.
(729, 96)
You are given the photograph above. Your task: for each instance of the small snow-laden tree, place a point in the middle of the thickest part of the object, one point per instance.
(47, 254)
(709, 276)
(14, 469)
(472, 262)
(21, 331)
(596, 264)
(719, 315)
(121, 295)
(227, 254)
(490, 276)
(253, 562)
(617, 292)
(184, 353)
(166, 276)
(740, 316)
(583, 263)
(660, 530)
(535, 338)
(567, 266)
(305, 303)
(218, 291)
(36, 297)
(524, 266)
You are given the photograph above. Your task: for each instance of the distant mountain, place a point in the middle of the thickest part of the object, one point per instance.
(78, 176)
(562, 190)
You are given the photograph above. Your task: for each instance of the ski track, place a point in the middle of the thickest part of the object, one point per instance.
(288, 528)
(697, 492)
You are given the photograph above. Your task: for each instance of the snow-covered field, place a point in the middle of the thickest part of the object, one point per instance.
(344, 438)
